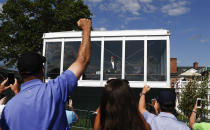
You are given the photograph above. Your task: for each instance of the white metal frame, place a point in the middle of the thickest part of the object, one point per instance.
(115, 36)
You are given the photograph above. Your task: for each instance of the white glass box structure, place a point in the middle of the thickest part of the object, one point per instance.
(140, 56)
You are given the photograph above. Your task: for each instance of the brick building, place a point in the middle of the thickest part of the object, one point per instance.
(177, 70)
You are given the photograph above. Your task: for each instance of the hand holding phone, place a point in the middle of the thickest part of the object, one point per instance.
(11, 78)
(199, 104)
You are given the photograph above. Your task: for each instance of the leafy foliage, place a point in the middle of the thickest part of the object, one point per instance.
(23, 22)
(193, 90)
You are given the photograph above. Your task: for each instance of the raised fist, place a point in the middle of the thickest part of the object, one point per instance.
(145, 89)
(84, 24)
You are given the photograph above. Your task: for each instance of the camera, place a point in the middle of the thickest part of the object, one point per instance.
(199, 102)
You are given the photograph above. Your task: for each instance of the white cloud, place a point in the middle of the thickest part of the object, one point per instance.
(102, 21)
(178, 11)
(204, 40)
(135, 7)
(169, 22)
(189, 30)
(122, 26)
(196, 37)
(100, 29)
(94, 1)
(128, 19)
(174, 9)
(131, 6)
(149, 8)
(102, 7)
(200, 38)
(146, 1)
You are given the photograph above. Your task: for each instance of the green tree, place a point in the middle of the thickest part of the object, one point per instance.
(189, 94)
(23, 22)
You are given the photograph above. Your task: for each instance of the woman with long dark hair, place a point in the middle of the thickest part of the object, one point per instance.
(119, 108)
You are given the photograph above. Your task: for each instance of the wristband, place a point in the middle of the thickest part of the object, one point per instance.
(194, 111)
(142, 94)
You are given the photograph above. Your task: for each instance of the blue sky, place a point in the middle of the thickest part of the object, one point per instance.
(187, 20)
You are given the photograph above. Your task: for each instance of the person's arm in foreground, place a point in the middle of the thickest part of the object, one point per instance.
(193, 116)
(14, 87)
(142, 108)
(84, 53)
(3, 86)
(97, 120)
(72, 109)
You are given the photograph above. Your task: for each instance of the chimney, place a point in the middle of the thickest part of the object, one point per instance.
(195, 65)
(173, 65)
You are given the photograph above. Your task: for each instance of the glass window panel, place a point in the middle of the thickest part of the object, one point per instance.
(53, 57)
(156, 60)
(93, 69)
(112, 59)
(134, 60)
(70, 53)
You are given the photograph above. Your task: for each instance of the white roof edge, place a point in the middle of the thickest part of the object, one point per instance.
(117, 33)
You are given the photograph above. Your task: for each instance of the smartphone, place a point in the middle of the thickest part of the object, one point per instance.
(11, 78)
(199, 102)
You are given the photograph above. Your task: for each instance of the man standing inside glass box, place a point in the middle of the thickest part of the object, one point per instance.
(41, 106)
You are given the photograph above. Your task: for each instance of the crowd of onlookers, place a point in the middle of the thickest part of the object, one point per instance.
(41, 106)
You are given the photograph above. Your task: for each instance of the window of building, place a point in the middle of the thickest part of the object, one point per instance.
(112, 59)
(134, 60)
(53, 59)
(156, 60)
(70, 53)
(93, 69)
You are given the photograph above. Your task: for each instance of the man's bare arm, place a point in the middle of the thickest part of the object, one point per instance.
(97, 120)
(84, 53)
(142, 108)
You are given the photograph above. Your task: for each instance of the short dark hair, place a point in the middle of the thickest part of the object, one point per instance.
(167, 99)
(30, 63)
(168, 107)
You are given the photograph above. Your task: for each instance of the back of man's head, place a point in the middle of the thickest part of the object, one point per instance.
(167, 100)
(30, 64)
